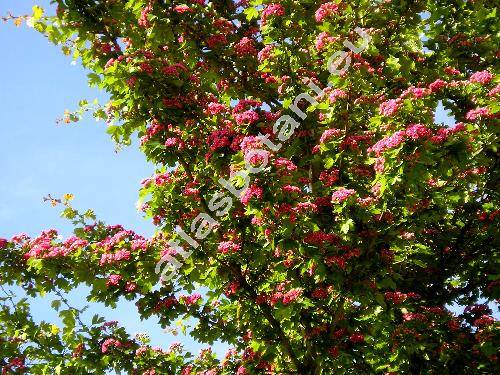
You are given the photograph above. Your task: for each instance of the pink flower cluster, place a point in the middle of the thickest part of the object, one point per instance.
(342, 195)
(474, 114)
(111, 258)
(323, 40)
(337, 93)
(276, 10)
(326, 10)
(319, 238)
(285, 164)
(183, 9)
(43, 247)
(437, 85)
(110, 343)
(229, 246)
(216, 40)
(248, 117)
(113, 280)
(215, 108)
(390, 107)
(341, 260)
(191, 299)
(291, 296)
(494, 91)
(220, 138)
(398, 297)
(143, 20)
(357, 338)
(417, 131)
(390, 142)
(174, 70)
(265, 53)
(330, 134)
(245, 47)
(245, 104)
(444, 133)
(330, 177)
(484, 77)
(252, 192)
(483, 321)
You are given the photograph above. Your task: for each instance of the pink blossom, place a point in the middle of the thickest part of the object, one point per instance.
(337, 93)
(417, 131)
(250, 142)
(20, 237)
(146, 68)
(322, 40)
(190, 300)
(141, 350)
(3, 243)
(484, 321)
(110, 343)
(245, 47)
(473, 114)
(396, 297)
(228, 246)
(342, 194)
(251, 192)
(113, 280)
(319, 237)
(329, 134)
(392, 141)
(494, 91)
(357, 338)
(419, 92)
(245, 104)
(174, 70)
(143, 20)
(284, 163)
(257, 157)
(276, 10)
(214, 108)
(265, 53)
(330, 177)
(130, 286)
(122, 255)
(161, 179)
(183, 9)
(437, 85)
(131, 81)
(216, 40)
(484, 77)
(248, 117)
(291, 296)
(220, 138)
(389, 108)
(291, 189)
(326, 10)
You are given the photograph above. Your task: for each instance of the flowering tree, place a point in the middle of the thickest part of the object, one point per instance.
(330, 218)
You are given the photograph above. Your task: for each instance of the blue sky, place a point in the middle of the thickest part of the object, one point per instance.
(39, 157)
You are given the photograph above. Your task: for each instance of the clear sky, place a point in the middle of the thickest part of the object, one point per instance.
(39, 157)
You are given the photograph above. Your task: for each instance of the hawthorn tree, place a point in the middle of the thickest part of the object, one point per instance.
(331, 220)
